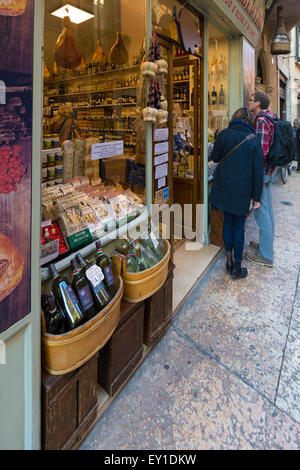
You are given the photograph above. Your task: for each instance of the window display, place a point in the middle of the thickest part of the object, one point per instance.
(93, 94)
(217, 84)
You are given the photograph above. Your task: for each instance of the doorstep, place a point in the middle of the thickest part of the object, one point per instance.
(192, 261)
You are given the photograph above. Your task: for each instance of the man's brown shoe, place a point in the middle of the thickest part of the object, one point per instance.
(254, 246)
(255, 257)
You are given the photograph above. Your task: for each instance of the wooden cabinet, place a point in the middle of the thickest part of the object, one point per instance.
(159, 310)
(69, 406)
(124, 351)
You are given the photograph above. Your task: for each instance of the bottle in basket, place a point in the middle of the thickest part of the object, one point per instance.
(66, 299)
(81, 288)
(95, 278)
(103, 262)
(55, 320)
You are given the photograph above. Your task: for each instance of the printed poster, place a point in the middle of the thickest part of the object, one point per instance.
(16, 76)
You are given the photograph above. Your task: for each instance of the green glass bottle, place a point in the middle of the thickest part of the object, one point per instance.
(66, 299)
(147, 243)
(103, 261)
(135, 250)
(95, 278)
(55, 320)
(81, 288)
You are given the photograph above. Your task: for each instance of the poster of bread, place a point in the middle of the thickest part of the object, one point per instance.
(16, 31)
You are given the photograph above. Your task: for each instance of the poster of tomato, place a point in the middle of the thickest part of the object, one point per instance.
(16, 81)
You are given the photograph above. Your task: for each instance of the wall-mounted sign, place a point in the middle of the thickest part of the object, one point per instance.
(247, 15)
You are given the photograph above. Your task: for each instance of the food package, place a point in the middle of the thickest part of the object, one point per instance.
(118, 54)
(66, 53)
(99, 56)
(71, 217)
(68, 153)
(12, 7)
(78, 157)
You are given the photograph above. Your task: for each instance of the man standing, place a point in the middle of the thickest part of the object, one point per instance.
(262, 252)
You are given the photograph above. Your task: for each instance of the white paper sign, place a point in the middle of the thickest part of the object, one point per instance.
(161, 171)
(161, 148)
(161, 183)
(161, 159)
(161, 134)
(95, 275)
(107, 149)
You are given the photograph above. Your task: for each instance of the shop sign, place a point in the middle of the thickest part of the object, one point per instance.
(247, 15)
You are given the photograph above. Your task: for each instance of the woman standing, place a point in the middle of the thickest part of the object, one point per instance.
(238, 182)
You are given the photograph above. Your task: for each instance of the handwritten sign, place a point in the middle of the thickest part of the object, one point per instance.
(161, 159)
(161, 134)
(107, 149)
(161, 171)
(163, 147)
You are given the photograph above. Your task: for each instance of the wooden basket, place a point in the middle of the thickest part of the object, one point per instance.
(63, 353)
(140, 286)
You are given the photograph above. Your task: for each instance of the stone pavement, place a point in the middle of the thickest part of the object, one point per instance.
(227, 373)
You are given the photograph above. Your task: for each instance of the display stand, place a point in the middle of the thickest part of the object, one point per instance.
(73, 402)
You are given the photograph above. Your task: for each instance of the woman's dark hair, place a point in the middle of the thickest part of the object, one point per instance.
(244, 114)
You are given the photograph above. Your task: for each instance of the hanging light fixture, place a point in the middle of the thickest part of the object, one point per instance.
(77, 15)
(281, 42)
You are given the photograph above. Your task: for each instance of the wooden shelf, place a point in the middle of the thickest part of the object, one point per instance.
(80, 93)
(91, 75)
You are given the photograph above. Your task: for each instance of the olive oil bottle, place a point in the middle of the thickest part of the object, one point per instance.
(66, 299)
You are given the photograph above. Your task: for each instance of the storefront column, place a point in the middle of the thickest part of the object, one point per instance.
(148, 35)
(236, 75)
(205, 139)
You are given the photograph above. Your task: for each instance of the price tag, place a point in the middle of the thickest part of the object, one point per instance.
(95, 275)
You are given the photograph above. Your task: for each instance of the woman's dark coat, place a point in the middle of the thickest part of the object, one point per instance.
(239, 178)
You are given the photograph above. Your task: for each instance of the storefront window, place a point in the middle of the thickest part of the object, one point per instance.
(94, 134)
(218, 62)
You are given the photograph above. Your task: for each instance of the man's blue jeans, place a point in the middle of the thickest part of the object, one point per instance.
(264, 217)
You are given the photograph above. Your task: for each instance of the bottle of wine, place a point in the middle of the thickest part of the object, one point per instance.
(81, 288)
(221, 96)
(147, 243)
(104, 263)
(214, 96)
(55, 320)
(66, 299)
(95, 277)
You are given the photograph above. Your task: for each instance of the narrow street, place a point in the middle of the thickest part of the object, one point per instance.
(226, 375)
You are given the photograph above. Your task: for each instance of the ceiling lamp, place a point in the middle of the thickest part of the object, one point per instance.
(281, 42)
(76, 15)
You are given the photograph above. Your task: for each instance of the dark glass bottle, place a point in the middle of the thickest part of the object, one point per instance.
(55, 320)
(66, 299)
(95, 278)
(82, 289)
(214, 97)
(103, 262)
(221, 96)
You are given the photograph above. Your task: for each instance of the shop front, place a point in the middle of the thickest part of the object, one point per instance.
(133, 97)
